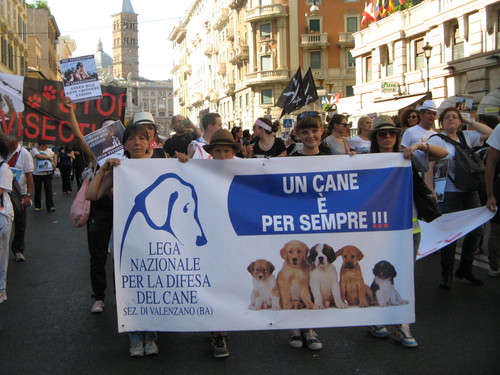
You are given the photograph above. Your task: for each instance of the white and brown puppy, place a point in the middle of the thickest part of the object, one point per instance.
(352, 285)
(265, 292)
(324, 281)
(383, 285)
(293, 279)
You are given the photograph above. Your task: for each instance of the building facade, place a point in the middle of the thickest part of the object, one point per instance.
(393, 71)
(65, 47)
(14, 37)
(42, 43)
(236, 56)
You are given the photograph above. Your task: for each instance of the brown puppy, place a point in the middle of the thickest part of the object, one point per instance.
(293, 279)
(265, 292)
(352, 286)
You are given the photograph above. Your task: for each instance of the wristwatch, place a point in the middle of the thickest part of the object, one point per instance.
(26, 195)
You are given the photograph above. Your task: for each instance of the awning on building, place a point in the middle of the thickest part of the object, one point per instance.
(386, 107)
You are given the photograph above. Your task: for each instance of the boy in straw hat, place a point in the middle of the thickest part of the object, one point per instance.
(221, 147)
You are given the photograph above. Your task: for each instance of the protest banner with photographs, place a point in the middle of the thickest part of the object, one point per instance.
(43, 165)
(80, 79)
(32, 110)
(190, 240)
(106, 142)
(464, 104)
(440, 176)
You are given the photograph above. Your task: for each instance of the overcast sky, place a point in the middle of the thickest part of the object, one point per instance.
(90, 20)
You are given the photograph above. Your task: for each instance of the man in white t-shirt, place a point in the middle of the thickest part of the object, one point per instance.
(20, 159)
(43, 159)
(210, 123)
(491, 203)
(421, 132)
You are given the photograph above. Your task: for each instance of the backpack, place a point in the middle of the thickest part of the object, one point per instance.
(425, 203)
(16, 196)
(469, 169)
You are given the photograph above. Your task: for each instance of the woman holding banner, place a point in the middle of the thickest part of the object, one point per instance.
(136, 144)
(454, 198)
(386, 137)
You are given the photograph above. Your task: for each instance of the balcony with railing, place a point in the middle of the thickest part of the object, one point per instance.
(267, 76)
(265, 12)
(197, 98)
(208, 49)
(186, 69)
(222, 68)
(230, 89)
(314, 40)
(346, 40)
(180, 33)
(235, 4)
(221, 18)
(238, 54)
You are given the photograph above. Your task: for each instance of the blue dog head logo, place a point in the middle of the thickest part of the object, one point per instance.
(169, 204)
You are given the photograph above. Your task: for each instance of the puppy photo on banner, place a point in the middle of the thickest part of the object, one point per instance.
(220, 245)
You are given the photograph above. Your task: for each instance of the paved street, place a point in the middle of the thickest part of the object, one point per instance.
(46, 326)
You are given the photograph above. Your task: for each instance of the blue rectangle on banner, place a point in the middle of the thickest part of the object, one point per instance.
(340, 201)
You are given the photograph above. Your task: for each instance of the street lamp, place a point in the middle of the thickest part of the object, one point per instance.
(427, 53)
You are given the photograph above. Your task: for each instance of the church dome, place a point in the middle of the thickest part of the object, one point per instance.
(102, 59)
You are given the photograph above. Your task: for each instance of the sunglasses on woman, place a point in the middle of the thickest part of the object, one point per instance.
(309, 113)
(383, 133)
(412, 116)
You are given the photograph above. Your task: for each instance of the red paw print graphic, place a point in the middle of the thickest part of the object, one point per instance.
(34, 101)
(49, 92)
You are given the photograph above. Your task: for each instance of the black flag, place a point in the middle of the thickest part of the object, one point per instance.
(292, 97)
(310, 93)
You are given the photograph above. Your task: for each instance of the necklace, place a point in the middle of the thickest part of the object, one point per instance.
(265, 146)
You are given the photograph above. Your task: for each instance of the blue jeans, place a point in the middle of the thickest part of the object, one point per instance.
(453, 202)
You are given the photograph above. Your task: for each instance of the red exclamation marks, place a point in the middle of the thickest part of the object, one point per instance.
(379, 219)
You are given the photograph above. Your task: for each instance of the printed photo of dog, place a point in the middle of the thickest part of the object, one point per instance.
(265, 292)
(293, 279)
(323, 280)
(383, 285)
(352, 285)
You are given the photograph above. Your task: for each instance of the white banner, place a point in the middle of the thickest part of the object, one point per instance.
(449, 228)
(215, 245)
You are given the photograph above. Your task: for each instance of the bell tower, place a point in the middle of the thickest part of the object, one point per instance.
(125, 42)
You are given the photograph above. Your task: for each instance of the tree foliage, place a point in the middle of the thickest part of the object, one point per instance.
(39, 4)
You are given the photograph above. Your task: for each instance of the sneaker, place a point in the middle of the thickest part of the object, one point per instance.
(311, 339)
(97, 307)
(150, 348)
(493, 273)
(3, 295)
(295, 339)
(379, 332)
(137, 349)
(19, 257)
(220, 347)
(37, 209)
(403, 335)
(52, 209)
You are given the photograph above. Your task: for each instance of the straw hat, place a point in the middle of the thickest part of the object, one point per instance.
(222, 137)
(382, 122)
